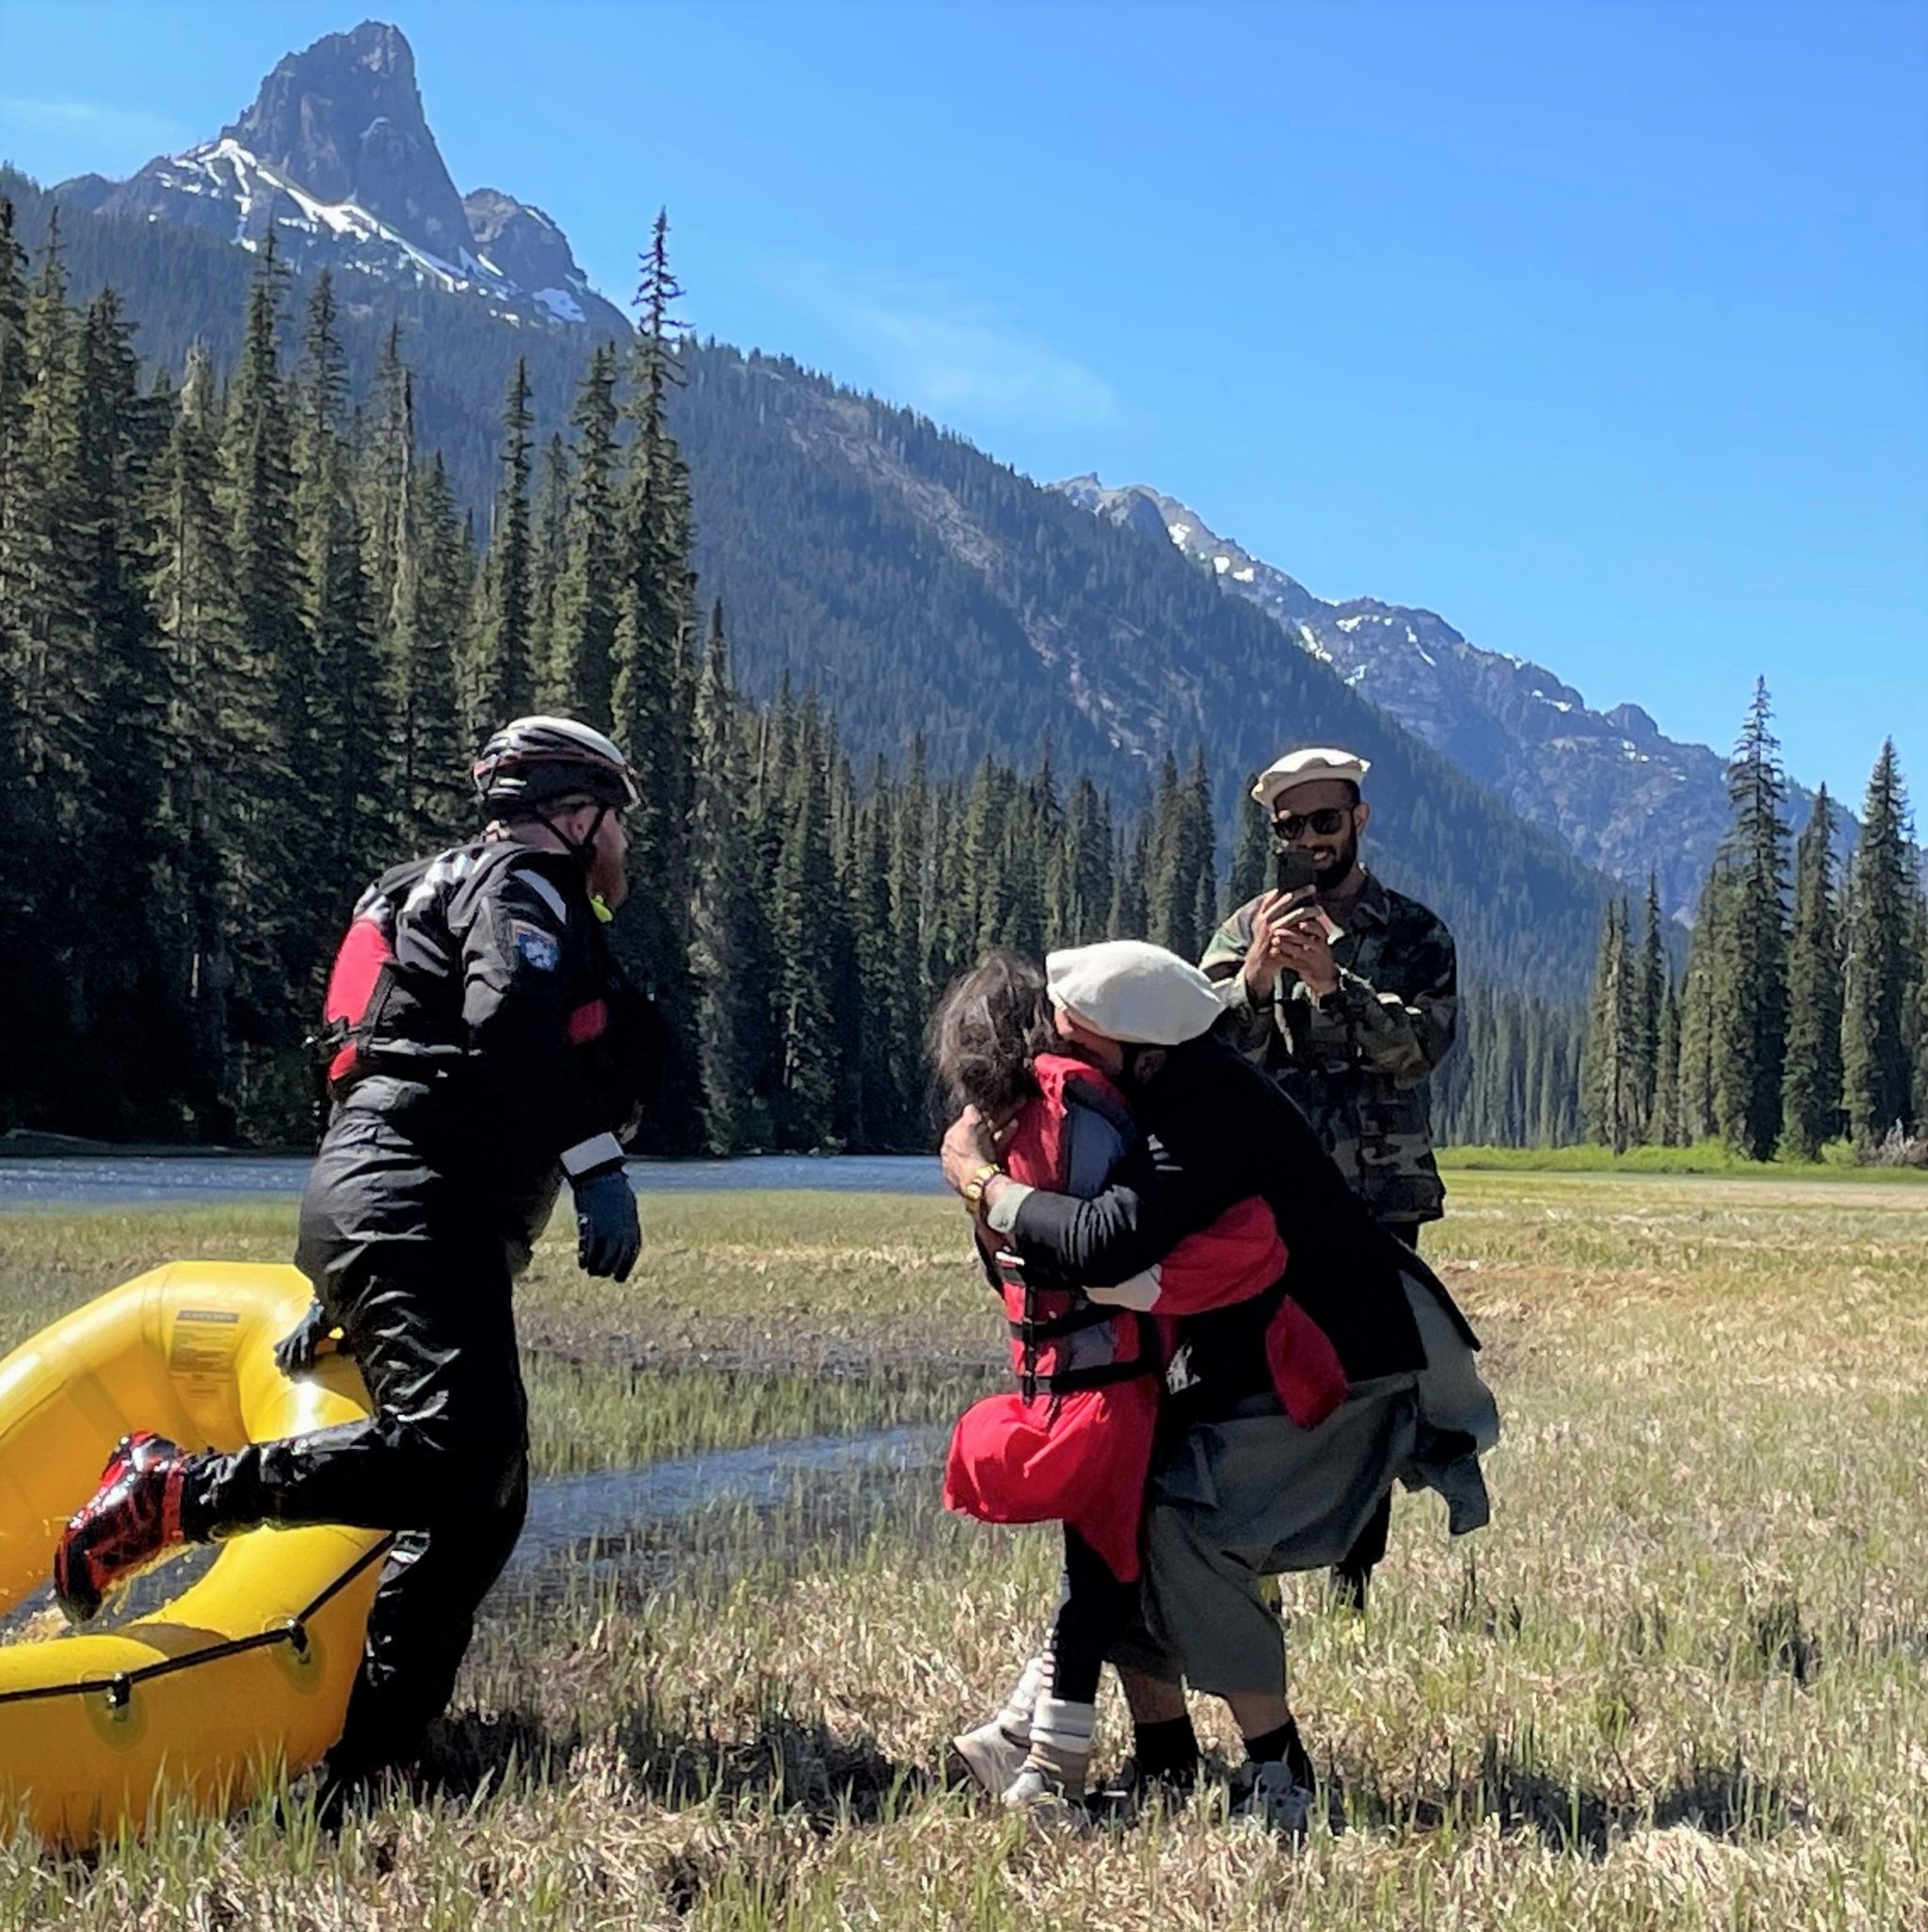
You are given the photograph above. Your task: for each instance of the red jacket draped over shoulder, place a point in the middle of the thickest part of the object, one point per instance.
(1074, 1443)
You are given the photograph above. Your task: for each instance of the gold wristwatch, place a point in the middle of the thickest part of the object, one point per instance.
(973, 1188)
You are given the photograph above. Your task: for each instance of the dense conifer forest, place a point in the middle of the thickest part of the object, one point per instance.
(250, 635)
(253, 625)
(1802, 1014)
(914, 583)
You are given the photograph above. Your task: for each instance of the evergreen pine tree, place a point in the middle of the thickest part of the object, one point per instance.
(347, 731)
(1811, 1084)
(1251, 860)
(1876, 1076)
(501, 680)
(985, 889)
(282, 831)
(1611, 1075)
(428, 798)
(209, 704)
(807, 942)
(1084, 902)
(1915, 1018)
(652, 690)
(1650, 992)
(884, 1058)
(388, 453)
(581, 664)
(1130, 907)
(1201, 857)
(1170, 889)
(723, 911)
(548, 554)
(912, 895)
(1665, 1130)
(45, 564)
(1693, 1093)
(1750, 987)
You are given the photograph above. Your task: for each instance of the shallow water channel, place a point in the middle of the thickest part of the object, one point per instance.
(87, 1181)
(603, 1523)
(593, 1517)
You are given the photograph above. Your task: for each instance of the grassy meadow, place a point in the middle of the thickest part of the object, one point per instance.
(1681, 1680)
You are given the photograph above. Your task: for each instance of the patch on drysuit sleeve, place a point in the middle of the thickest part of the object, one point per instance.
(534, 947)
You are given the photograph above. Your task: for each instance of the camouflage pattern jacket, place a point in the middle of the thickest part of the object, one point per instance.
(1357, 1063)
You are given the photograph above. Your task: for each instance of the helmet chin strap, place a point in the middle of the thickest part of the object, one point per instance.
(581, 850)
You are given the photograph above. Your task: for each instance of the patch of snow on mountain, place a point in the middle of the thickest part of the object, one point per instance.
(1424, 657)
(560, 304)
(1350, 624)
(1221, 564)
(1244, 576)
(1178, 533)
(1313, 645)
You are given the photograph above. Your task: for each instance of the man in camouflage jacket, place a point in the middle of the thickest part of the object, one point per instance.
(1347, 993)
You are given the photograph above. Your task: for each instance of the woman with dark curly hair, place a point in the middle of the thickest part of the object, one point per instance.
(1287, 1414)
(1073, 1443)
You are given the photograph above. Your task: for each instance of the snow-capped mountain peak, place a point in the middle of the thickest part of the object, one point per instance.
(336, 158)
(1601, 780)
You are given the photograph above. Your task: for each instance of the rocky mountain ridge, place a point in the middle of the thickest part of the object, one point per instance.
(335, 158)
(1617, 792)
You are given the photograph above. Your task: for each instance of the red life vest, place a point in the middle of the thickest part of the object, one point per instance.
(362, 964)
(359, 1017)
(1060, 1340)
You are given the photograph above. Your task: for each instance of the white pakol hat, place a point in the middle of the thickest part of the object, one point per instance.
(1305, 767)
(1132, 992)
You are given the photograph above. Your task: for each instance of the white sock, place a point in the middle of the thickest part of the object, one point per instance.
(1061, 1734)
(1014, 1720)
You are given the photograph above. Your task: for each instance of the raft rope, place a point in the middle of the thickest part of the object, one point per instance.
(118, 1688)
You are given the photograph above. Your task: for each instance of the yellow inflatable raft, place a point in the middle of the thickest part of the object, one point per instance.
(247, 1667)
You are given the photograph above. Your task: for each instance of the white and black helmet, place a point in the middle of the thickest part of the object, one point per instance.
(533, 761)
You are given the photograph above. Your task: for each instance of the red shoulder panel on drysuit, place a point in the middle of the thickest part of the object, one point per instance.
(366, 949)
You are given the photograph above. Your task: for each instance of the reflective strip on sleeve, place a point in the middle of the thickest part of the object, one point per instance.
(598, 1150)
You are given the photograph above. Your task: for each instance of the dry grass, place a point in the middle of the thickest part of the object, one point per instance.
(1682, 1680)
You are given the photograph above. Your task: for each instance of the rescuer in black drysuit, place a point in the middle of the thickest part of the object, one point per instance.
(482, 1046)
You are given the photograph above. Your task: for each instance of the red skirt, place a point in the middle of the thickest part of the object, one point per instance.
(1080, 1459)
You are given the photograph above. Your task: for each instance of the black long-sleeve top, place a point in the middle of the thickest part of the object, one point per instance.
(505, 996)
(1217, 1130)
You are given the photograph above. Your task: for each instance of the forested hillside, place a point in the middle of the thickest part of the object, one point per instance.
(920, 586)
(247, 636)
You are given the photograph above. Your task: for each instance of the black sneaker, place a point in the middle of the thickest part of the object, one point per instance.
(1130, 1790)
(1271, 1795)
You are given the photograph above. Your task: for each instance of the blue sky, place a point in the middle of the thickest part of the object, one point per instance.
(1601, 329)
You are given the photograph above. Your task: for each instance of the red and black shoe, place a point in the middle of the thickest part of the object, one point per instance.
(132, 1521)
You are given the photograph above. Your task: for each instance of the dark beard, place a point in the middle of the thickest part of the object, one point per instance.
(1337, 873)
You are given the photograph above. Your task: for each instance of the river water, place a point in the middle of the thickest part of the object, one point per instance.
(580, 1527)
(85, 1181)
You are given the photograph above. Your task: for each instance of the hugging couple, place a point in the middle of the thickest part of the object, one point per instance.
(1224, 1361)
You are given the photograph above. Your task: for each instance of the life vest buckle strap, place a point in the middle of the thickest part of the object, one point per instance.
(1053, 1328)
(1101, 1376)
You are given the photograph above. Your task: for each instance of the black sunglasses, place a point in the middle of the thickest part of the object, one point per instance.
(1326, 821)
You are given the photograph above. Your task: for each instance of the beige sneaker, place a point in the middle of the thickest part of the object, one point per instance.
(991, 1755)
(994, 1752)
